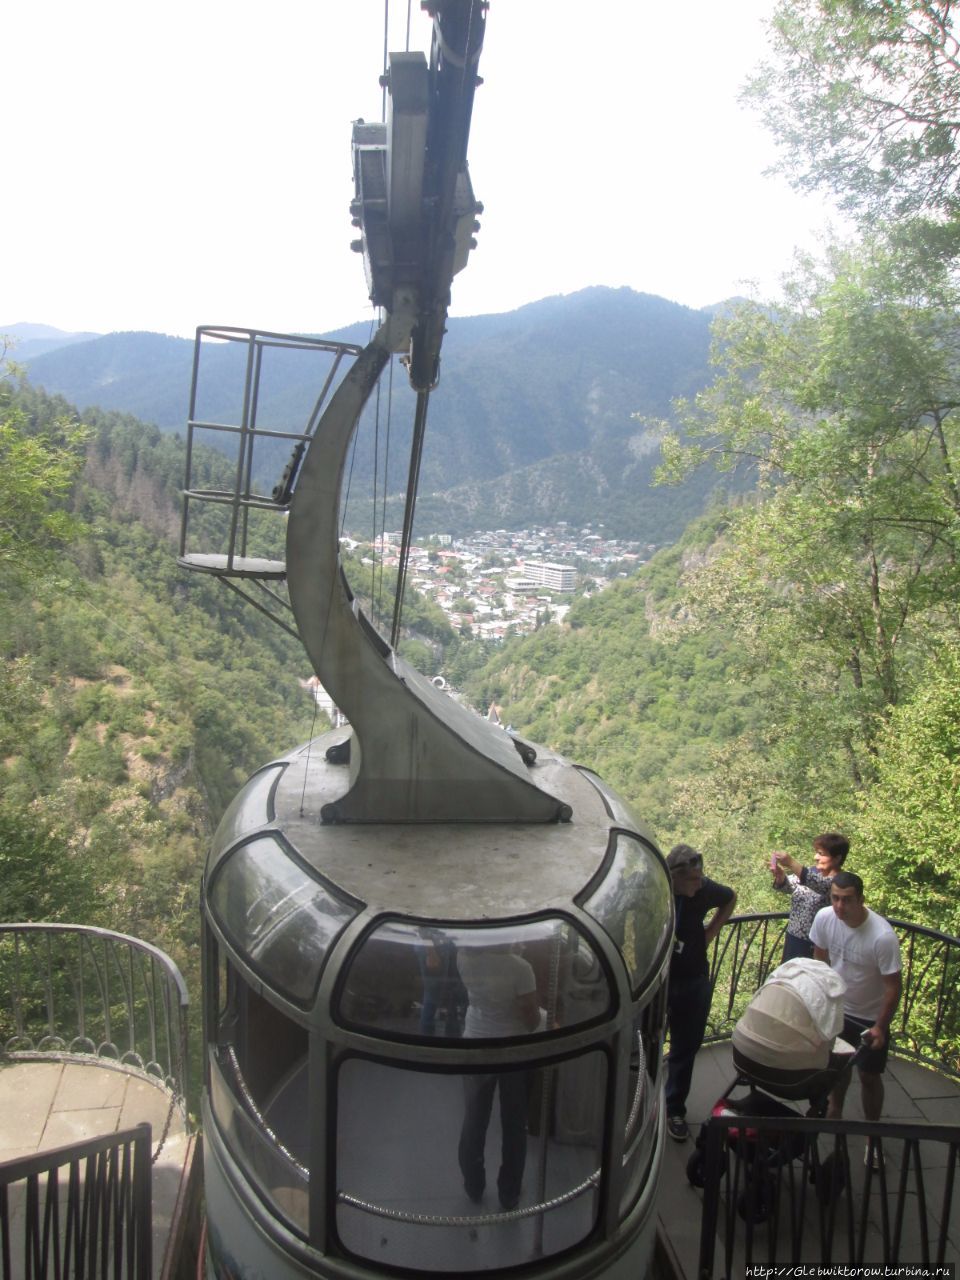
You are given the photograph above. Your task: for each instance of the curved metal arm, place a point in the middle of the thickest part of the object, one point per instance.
(416, 755)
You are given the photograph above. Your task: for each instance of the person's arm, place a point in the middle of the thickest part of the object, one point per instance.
(528, 1010)
(788, 863)
(720, 918)
(820, 954)
(879, 1033)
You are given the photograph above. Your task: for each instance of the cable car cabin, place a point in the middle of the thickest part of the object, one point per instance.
(434, 961)
(431, 1047)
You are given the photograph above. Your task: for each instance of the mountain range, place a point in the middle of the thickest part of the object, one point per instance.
(535, 419)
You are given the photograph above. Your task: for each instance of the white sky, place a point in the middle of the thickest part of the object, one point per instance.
(189, 163)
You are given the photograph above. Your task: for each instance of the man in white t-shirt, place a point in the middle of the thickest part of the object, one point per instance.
(502, 994)
(863, 948)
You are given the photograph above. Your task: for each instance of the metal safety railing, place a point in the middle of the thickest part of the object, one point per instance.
(80, 990)
(828, 1192)
(256, 401)
(787, 1188)
(83, 1210)
(927, 1022)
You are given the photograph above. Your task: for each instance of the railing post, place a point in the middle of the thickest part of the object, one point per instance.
(713, 1155)
(142, 1197)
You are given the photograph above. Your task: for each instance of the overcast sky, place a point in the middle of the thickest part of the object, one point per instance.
(184, 164)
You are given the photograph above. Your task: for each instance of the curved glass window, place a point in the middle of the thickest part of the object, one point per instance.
(249, 809)
(620, 811)
(258, 1089)
(479, 984)
(640, 1131)
(634, 903)
(279, 918)
(420, 1155)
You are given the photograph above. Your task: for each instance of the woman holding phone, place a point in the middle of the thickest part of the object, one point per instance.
(809, 888)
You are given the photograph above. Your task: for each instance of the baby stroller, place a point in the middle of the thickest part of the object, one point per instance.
(785, 1049)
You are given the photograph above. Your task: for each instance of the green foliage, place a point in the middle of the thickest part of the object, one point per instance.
(37, 469)
(134, 699)
(909, 826)
(863, 99)
(843, 571)
(36, 866)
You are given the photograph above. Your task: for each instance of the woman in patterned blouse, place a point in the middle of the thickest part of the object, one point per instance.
(809, 889)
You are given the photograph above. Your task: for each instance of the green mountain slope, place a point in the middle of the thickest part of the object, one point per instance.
(533, 415)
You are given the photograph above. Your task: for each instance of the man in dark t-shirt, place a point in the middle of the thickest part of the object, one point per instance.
(688, 994)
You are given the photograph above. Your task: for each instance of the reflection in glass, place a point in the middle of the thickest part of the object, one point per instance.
(405, 1197)
(258, 1088)
(634, 903)
(281, 1179)
(640, 1130)
(277, 915)
(514, 980)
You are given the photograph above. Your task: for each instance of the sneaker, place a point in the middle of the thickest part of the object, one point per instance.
(678, 1128)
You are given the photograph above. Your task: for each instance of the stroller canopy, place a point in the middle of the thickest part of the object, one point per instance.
(793, 1020)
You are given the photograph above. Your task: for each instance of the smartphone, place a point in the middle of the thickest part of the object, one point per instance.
(773, 862)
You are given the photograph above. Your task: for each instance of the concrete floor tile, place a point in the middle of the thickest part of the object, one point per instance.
(921, 1082)
(84, 1087)
(147, 1103)
(27, 1090)
(940, 1110)
(65, 1127)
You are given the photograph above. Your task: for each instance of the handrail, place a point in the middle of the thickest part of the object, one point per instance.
(927, 1022)
(790, 1189)
(80, 990)
(101, 1226)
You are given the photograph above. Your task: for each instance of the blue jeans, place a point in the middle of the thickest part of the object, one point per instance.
(688, 1007)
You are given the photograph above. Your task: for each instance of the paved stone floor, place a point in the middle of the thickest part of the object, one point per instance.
(913, 1094)
(46, 1104)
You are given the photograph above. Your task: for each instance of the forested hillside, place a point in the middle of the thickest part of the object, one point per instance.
(134, 699)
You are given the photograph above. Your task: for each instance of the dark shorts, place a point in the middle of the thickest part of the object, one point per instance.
(872, 1061)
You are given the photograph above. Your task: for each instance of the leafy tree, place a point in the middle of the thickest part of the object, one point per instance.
(37, 471)
(845, 564)
(864, 98)
(908, 837)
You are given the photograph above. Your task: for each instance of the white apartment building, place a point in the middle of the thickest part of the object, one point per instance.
(555, 577)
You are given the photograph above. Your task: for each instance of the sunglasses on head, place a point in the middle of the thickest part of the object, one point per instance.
(691, 864)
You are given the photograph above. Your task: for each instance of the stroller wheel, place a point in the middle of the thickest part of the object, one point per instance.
(696, 1169)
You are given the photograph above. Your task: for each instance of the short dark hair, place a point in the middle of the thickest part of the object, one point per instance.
(848, 880)
(834, 845)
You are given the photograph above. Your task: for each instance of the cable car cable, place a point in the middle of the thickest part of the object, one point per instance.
(413, 481)
(386, 476)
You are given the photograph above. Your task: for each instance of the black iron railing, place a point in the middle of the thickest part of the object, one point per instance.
(79, 990)
(927, 1022)
(791, 1189)
(79, 1211)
